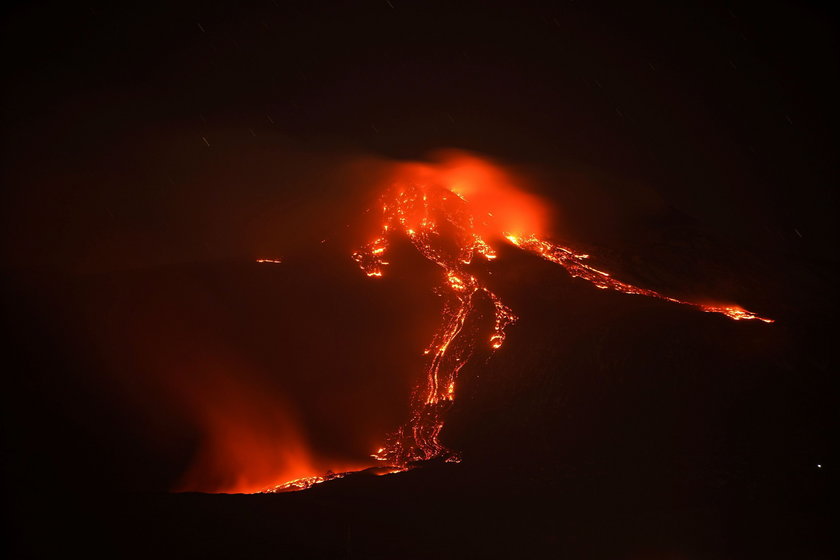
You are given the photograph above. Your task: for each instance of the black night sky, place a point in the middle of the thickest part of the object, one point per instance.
(152, 151)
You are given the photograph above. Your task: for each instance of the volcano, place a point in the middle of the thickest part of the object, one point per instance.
(252, 310)
(628, 416)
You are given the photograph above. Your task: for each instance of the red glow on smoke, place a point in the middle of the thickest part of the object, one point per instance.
(248, 443)
(250, 440)
(196, 389)
(497, 202)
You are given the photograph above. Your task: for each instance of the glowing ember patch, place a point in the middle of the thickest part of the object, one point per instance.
(733, 311)
(302, 483)
(384, 471)
(271, 261)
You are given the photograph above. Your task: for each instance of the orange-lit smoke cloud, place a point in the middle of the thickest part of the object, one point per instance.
(248, 432)
(497, 199)
(250, 439)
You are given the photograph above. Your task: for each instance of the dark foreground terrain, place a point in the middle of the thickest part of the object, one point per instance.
(608, 426)
(454, 512)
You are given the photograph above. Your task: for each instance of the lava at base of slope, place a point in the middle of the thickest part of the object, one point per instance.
(307, 482)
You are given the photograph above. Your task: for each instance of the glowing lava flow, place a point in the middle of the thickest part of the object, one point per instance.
(302, 483)
(420, 213)
(310, 481)
(450, 211)
(432, 218)
(577, 268)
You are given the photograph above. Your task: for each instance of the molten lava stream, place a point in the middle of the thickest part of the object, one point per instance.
(450, 212)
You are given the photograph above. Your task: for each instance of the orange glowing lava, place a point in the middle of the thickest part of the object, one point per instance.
(576, 266)
(452, 211)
